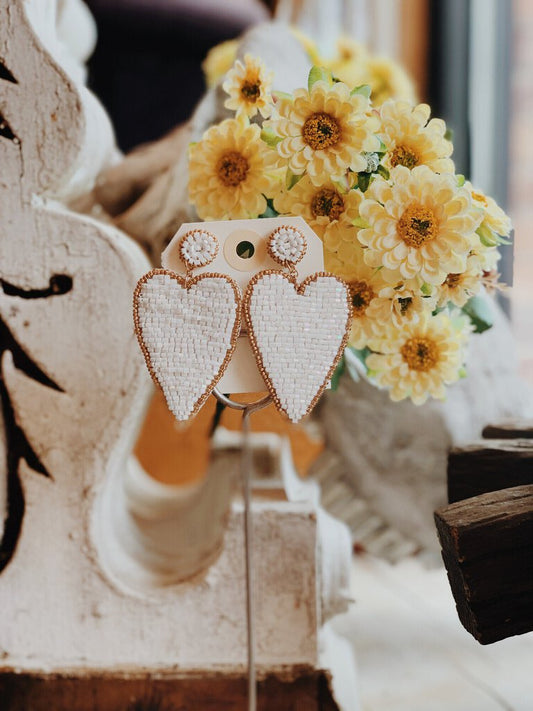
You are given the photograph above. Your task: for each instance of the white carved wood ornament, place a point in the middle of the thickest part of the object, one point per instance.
(92, 550)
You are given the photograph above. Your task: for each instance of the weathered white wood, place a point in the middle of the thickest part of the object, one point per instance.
(92, 581)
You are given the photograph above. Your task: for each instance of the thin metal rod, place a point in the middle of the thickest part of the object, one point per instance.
(246, 474)
(247, 410)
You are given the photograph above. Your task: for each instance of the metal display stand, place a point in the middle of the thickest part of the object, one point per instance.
(247, 410)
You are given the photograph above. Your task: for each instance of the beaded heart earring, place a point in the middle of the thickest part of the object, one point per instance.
(298, 331)
(188, 326)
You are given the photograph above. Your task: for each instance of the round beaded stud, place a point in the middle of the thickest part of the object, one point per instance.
(286, 246)
(198, 248)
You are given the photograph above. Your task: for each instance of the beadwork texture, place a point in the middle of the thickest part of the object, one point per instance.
(298, 334)
(187, 330)
(287, 245)
(198, 248)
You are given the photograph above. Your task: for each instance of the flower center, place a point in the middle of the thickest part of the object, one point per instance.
(402, 155)
(251, 91)
(417, 226)
(453, 280)
(362, 294)
(420, 353)
(327, 202)
(321, 131)
(405, 303)
(232, 168)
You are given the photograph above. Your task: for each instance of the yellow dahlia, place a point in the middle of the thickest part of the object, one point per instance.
(413, 139)
(459, 288)
(398, 305)
(219, 60)
(419, 359)
(420, 226)
(230, 171)
(324, 131)
(249, 86)
(319, 205)
(388, 80)
(350, 63)
(343, 254)
(494, 218)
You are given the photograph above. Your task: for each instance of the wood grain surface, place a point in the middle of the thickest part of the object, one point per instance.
(487, 549)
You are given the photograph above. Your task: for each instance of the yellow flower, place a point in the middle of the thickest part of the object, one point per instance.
(324, 131)
(350, 63)
(230, 171)
(319, 205)
(459, 288)
(343, 256)
(398, 305)
(493, 216)
(417, 360)
(421, 226)
(248, 86)
(219, 60)
(388, 80)
(412, 139)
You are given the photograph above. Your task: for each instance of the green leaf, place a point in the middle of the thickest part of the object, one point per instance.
(270, 211)
(291, 179)
(282, 95)
(362, 90)
(449, 134)
(363, 181)
(339, 370)
(383, 172)
(487, 236)
(360, 222)
(479, 312)
(318, 74)
(270, 137)
(426, 289)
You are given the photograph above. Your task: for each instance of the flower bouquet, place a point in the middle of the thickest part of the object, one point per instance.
(413, 239)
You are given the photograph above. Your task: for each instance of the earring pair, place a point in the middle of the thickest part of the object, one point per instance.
(188, 326)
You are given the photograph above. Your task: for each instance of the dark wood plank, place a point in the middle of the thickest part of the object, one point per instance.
(487, 548)
(296, 690)
(489, 466)
(512, 429)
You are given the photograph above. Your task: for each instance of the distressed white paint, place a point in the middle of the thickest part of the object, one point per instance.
(92, 583)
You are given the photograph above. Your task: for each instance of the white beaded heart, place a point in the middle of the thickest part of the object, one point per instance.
(298, 334)
(187, 330)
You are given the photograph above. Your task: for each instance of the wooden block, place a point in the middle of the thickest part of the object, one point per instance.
(513, 429)
(487, 548)
(296, 689)
(489, 466)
